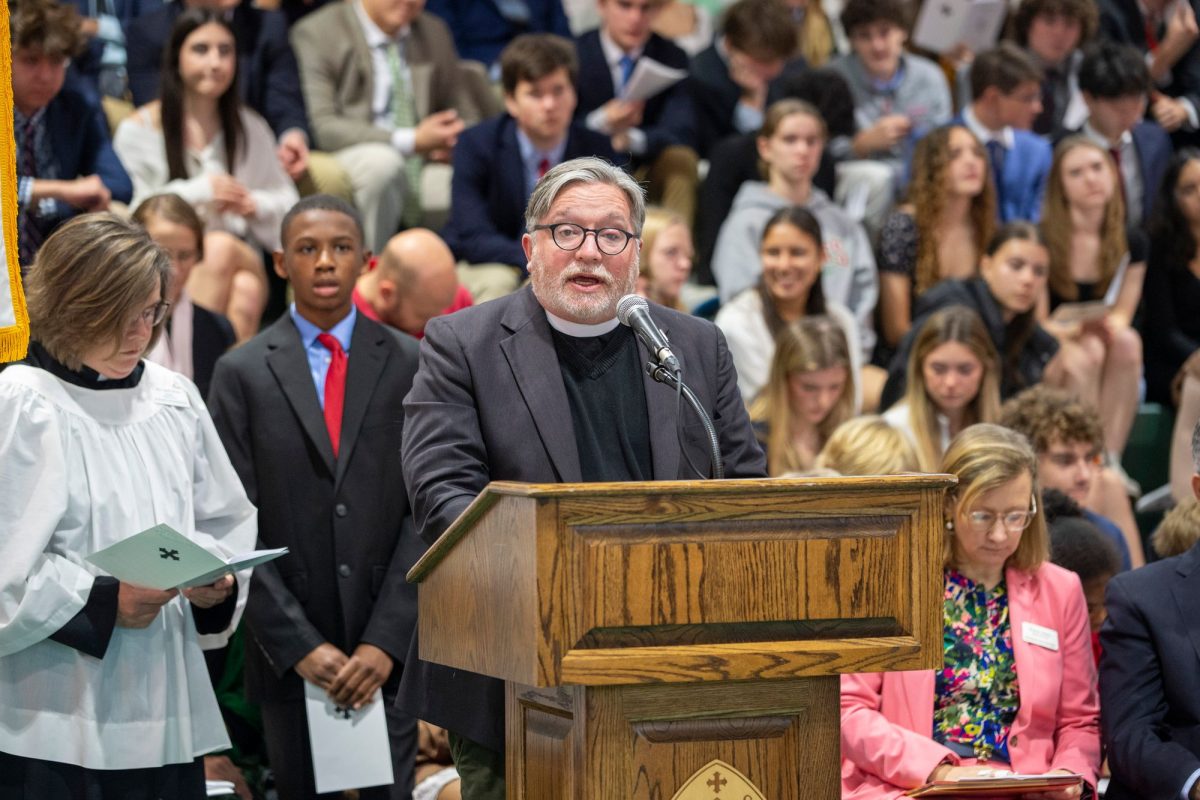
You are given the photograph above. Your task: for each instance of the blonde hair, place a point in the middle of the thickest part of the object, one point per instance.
(88, 281)
(1178, 531)
(954, 324)
(927, 196)
(867, 445)
(780, 110)
(1057, 228)
(809, 344)
(658, 219)
(985, 457)
(815, 37)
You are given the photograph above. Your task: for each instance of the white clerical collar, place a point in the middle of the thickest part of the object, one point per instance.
(579, 329)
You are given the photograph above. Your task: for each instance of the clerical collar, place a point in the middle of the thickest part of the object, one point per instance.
(579, 329)
(85, 376)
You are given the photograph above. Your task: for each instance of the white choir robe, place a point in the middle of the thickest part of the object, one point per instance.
(79, 470)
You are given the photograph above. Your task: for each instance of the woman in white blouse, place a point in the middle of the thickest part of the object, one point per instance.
(104, 692)
(201, 143)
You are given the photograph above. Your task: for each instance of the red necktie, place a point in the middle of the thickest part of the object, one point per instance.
(335, 388)
(543, 168)
(1151, 29)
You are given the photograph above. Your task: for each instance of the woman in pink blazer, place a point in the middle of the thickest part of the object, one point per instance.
(1017, 690)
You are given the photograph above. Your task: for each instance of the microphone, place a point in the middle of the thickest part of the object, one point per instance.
(634, 312)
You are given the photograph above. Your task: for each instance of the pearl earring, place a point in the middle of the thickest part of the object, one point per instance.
(949, 525)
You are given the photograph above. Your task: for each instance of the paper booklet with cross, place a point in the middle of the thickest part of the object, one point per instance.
(163, 558)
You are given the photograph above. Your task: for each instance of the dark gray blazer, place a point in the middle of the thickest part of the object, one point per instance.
(344, 519)
(1150, 678)
(488, 403)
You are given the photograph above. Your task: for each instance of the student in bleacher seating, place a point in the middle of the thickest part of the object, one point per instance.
(1052, 31)
(200, 142)
(1178, 531)
(1093, 258)
(867, 445)
(666, 260)
(1012, 276)
(1171, 333)
(791, 253)
(810, 392)
(1017, 688)
(790, 143)
(942, 229)
(953, 383)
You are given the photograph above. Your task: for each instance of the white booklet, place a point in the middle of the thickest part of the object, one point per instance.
(943, 25)
(163, 558)
(649, 78)
(350, 749)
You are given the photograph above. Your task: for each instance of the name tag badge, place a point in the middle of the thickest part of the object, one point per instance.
(171, 397)
(1039, 635)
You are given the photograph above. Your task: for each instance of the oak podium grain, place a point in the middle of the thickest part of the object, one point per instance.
(645, 629)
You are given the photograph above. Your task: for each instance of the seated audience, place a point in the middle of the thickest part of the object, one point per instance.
(268, 78)
(817, 44)
(1187, 415)
(201, 143)
(734, 160)
(939, 233)
(1012, 276)
(1150, 675)
(790, 146)
(412, 281)
(1171, 331)
(1019, 697)
(435, 776)
(953, 383)
(1092, 258)
(483, 28)
(1052, 31)
(1068, 439)
(1178, 531)
(898, 98)
(380, 80)
(731, 80)
(807, 396)
(791, 253)
(64, 158)
(657, 132)
(1165, 33)
(498, 161)
(193, 338)
(104, 691)
(666, 259)
(1006, 98)
(867, 445)
(1115, 84)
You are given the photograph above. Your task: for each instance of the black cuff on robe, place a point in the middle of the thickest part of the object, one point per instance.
(90, 630)
(217, 618)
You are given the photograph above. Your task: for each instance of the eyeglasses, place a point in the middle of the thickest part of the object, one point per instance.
(1013, 521)
(151, 315)
(569, 236)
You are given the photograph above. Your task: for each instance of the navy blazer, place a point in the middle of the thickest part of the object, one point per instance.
(1150, 678)
(1154, 151)
(669, 117)
(81, 145)
(267, 73)
(488, 194)
(481, 31)
(488, 403)
(1026, 168)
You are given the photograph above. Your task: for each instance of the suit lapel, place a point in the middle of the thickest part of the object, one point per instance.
(1186, 588)
(289, 364)
(362, 54)
(366, 363)
(534, 364)
(661, 414)
(513, 167)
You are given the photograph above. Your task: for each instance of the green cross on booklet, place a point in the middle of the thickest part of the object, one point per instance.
(163, 558)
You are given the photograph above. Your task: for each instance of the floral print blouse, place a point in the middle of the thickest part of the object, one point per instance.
(976, 698)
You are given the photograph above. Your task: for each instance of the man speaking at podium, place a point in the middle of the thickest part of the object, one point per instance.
(546, 386)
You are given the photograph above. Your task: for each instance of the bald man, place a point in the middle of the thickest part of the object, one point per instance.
(412, 282)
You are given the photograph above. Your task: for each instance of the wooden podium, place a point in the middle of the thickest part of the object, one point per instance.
(683, 640)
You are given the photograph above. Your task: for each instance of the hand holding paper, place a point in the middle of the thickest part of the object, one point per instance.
(163, 558)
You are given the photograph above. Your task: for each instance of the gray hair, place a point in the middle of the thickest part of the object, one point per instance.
(1196, 448)
(584, 170)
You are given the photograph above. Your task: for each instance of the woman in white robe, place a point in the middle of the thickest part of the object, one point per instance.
(103, 686)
